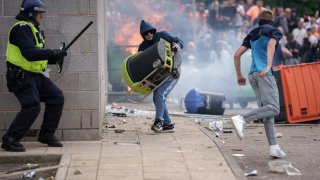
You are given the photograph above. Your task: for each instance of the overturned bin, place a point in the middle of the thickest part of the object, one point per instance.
(299, 99)
(200, 102)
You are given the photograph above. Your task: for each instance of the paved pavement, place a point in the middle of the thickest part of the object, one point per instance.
(139, 153)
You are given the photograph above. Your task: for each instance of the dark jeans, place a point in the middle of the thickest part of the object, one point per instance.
(31, 89)
(160, 97)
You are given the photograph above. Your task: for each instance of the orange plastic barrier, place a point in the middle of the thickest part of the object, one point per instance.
(301, 91)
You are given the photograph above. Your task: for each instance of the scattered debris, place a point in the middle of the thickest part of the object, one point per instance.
(26, 167)
(77, 172)
(119, 114)
(126, 143)
(227, 131)
(198, 121)
(278, 135)
(29, 174)
(111, 126)
(216, 134)
(236, 149)
(292, 171)
(216, 125)
(119, 130)
(124, 121)
(281, 166)
(252, 173)
(114, 106)
(316, 139)
(238, 155)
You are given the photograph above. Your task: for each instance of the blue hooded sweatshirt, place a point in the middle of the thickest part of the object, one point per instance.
(145, 27)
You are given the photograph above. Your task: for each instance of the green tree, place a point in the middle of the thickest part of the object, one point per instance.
(301, 6)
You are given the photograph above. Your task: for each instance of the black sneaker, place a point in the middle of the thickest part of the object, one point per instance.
(49, 139)
(168, 128)
(157, 125)
(10, 144)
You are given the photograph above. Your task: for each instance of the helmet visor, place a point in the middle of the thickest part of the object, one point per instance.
(40, 9)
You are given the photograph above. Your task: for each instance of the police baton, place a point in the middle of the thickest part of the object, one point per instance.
(66, 47)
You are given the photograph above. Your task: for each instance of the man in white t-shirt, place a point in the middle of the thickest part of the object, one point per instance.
(299, 33)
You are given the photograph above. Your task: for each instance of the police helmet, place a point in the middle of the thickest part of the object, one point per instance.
(30, 8)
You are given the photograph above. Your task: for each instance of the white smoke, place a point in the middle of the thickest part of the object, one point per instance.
(211, 67)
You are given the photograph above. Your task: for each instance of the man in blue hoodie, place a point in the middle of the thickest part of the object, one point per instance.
(150, 36)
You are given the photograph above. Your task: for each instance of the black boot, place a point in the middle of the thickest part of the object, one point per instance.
(10, 144)
(49, 139)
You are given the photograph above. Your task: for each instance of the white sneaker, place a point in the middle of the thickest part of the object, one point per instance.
(238, 123)
(275, 151)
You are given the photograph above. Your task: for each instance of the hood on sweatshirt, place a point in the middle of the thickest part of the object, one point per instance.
(145, 27)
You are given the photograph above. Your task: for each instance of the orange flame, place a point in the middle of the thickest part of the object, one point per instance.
(128, 33)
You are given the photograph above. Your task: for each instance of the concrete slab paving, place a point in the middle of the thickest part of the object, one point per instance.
(138, 153)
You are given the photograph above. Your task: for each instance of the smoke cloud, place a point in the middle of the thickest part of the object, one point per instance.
(207, 56)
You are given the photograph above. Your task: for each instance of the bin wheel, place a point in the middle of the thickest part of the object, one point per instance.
(243, 104)
(156, 63)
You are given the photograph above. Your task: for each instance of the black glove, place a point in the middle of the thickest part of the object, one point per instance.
(57, 56)
(176, 74)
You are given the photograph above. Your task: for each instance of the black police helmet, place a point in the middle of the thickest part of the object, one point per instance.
(30, 8)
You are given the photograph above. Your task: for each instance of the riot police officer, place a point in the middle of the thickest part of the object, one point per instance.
(26, 60)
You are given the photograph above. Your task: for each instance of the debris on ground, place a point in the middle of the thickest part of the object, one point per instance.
(119, 130)
(133, 111)
(197, 121)
(281, 166)
(238, 155)
(278, 135)
(227, 131)
(29, 174)
(216, 125)
(123, 121)
(77, 172)
(126, 143)
(119, 114)
(110, 126)
(114, 106)
(236, 149)
(216, 134)
(25, 167)
(252, 173)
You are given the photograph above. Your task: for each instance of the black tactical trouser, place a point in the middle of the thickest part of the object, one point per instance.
(31, 89)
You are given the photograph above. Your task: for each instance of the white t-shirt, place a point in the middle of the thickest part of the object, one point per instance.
(299, 34)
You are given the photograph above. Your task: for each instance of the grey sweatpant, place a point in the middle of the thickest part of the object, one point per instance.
(267, 95)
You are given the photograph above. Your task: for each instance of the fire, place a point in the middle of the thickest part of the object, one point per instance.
(128, 31)
(128, 36)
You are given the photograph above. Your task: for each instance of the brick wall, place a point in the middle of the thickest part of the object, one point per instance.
(82, 82)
